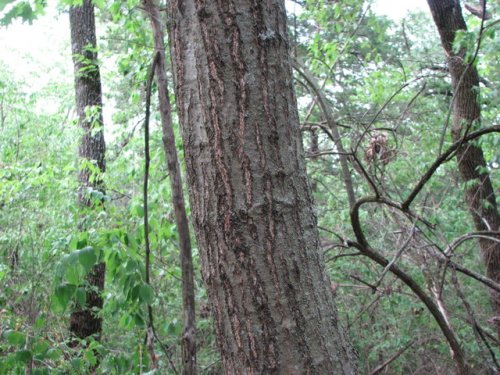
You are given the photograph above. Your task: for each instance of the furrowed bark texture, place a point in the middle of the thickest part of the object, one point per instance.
(84, 321)
(253, 213)
(189, 332)
(480, 195)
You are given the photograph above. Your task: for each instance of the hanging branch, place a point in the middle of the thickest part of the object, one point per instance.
(332, 125)
(441, 258)
(147, 159)
(151, 332)
(478, 332)
(363, 246)
(386, 363)
(444, 157)
(188, 341)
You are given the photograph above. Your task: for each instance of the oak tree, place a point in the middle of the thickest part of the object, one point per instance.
(251, 203)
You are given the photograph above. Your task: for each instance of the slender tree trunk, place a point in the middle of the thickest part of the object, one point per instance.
(479, 192)
(189, 333)
(84, 319)
(253, 214)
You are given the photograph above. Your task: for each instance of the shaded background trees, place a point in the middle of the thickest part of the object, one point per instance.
(479, 193)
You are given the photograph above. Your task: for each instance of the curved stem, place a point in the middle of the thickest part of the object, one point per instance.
(364, 247)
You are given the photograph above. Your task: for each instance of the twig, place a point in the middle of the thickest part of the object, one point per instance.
(332, 125)
(151, 329)
(334, 258)
(149, 332)
(482, 279)
(398, 254)
(379, 368)
(469, 236)
(444, 157)
(472, 320)
(362, 311)
(373, 287)
(363, 246)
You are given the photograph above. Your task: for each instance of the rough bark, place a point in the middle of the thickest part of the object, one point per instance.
(253, 214)
(479, 192)
(188, 289)
(85, 320)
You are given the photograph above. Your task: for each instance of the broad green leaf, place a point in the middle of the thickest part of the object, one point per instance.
(146, 294)
(24, 356)
(14, 337)
(80, 296)
(64, 293)
(40, 322)
(138, 211)
(87, 257)
(134, 293)
(54, 354)
(125, 321)
(139, 320)
(41, 348)
(174, 328)
(81, 242)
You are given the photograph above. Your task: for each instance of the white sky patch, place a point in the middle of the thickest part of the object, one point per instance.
(38, 53)
(398, 9)
(292, 7)
(395, 9)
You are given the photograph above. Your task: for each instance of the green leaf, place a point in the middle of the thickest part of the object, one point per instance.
(53, 354)
(74, 274)
(80, 296)
(138, 211)
(139, 320)
(40, 322)
(134, 293)
(76, 363)
(146, 294)
(125, 321)
(4, 3)
(64, 293)
(472, 183)
(40, 348)
(87, 257)
(174, 328)
(22, 10)
(24, 356)
(81, 242)
(14, 337)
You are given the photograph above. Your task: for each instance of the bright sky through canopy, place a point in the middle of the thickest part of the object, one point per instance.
(397, 9)
(29, 50)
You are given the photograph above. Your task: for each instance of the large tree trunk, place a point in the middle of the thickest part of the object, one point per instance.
(479, 192)
(253, 214)
(84, 319)
(174, 170)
